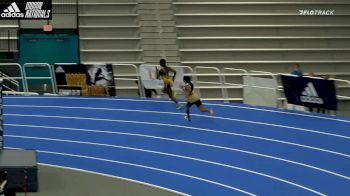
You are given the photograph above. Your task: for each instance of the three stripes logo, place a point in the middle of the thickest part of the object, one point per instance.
(310, 95)
(12, 11)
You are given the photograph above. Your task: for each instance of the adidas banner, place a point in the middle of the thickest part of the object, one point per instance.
(72, 79)
(310, 92)
(26, 9)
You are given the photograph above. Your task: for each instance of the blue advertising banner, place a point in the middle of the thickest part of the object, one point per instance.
(310, 92)
(25, 9)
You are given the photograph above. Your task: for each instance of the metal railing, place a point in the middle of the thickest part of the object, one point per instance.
(8, 67)
(232, 72)
(11, 84)
(135, 78)
(222, 75)
(39, 65)
(20, 93)
(213, 71)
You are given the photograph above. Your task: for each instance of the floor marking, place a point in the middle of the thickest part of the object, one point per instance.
(199, 115)
(186, 127)
(149, 168)
(165, 101)
(172, 155)
(187, 142)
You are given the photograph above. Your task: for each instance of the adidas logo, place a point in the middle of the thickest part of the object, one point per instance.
(12, 11)
(309, 95)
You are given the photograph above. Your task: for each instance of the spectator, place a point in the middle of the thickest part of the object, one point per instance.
(297, 71)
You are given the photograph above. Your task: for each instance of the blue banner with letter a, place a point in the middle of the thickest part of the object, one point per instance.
(310, 92)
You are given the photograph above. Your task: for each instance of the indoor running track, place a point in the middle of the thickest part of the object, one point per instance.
(243, 150)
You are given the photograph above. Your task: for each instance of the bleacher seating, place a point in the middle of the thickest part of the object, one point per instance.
(109, 32)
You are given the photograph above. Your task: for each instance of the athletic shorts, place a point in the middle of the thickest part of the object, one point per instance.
(198, 103)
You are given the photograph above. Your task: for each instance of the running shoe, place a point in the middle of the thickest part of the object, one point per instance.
(211, 112)
(187, 118)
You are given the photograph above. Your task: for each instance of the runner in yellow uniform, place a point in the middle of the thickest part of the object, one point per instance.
(164, 72)
(193, 98)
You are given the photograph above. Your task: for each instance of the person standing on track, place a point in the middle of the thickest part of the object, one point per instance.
(193, 98)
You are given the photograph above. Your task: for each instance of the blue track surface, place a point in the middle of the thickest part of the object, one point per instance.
(243, 150)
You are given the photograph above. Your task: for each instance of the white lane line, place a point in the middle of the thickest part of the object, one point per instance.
(184, 127)
(171, 155)
(174, 113)
(70, 129)
(149, 168)
(207, 103)
(114, 177)
(107, 175)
